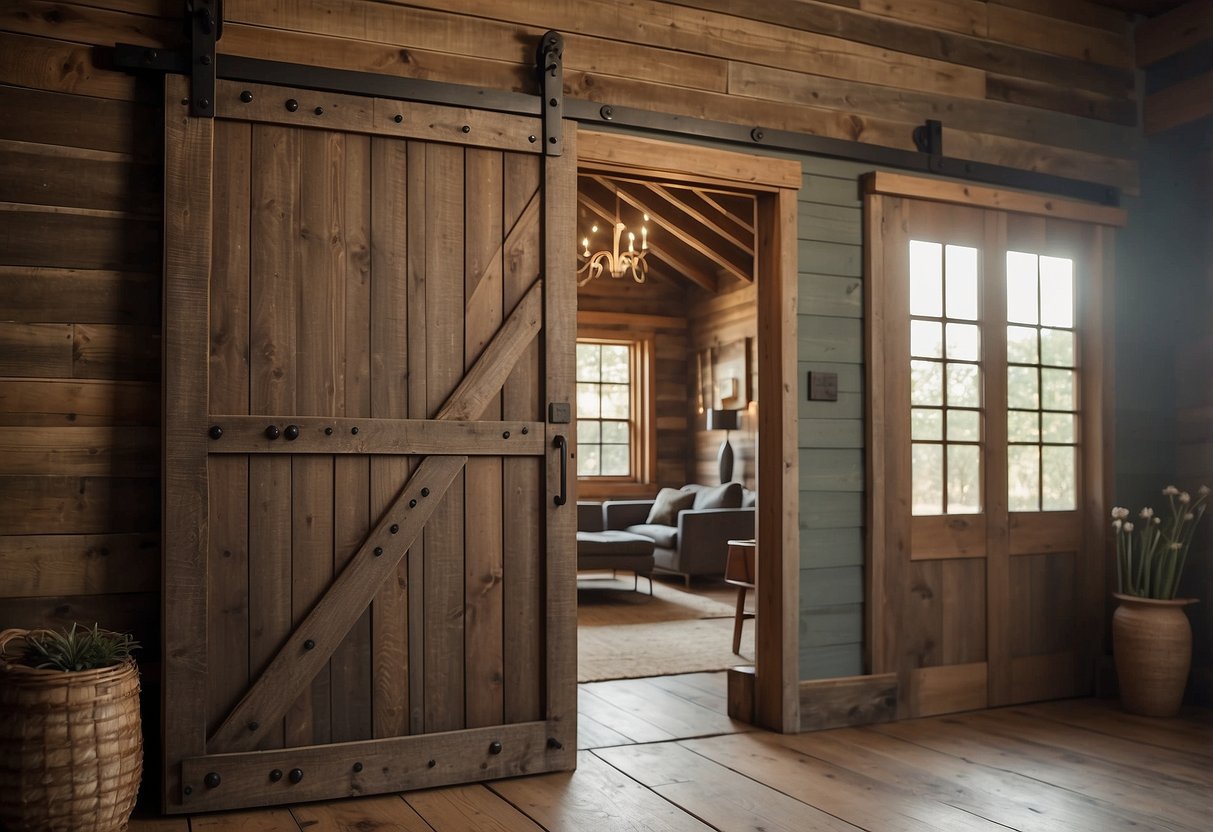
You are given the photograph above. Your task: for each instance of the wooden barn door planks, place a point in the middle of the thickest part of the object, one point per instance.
(368, 583)
(988, 431)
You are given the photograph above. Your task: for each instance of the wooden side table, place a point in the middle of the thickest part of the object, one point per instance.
(739, 571)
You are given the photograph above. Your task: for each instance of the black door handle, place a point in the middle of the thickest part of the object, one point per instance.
(563, 444)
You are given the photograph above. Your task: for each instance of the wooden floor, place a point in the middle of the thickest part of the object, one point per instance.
(658, 756)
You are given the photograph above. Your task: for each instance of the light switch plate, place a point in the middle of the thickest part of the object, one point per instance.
(823, 387)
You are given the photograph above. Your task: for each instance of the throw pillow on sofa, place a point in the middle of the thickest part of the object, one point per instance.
(727, 495)
(669, 502)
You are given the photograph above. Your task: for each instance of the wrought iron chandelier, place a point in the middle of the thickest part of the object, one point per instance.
(614, 262)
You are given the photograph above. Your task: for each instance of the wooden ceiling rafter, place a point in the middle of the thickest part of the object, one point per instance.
(679, 264)
(715, 214)
(709, 197)
(676, 229)
(713, 223)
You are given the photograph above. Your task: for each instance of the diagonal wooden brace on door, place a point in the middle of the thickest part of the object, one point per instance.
(312, 643)
(493, 367)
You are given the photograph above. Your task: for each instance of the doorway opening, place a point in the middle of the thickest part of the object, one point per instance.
(681, 250)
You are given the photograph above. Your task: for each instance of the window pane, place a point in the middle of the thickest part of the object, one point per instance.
(964, 385)
(1021, 288)
(1021, 388)
(1023, 426)
(964, 342)
(615, 363)
(1057, 427)
(587, 362)
(587, 401)
(589, 430)
(588, 461)
(964, 479)
(926, 339)
(615, 432)
(1057, 389)
(615, 461)
(964, 426)
(615, 401)
(1056, 291)
(1057, 347)
(927, 479)
(926, 383)
(962, 282)
(926, 279)
(926, 424)
(1057, 473)
(1021, 345)
(1023, 478)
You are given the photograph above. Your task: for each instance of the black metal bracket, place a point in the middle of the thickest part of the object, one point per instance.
(548, 61)
(929, 139)
(204, 24)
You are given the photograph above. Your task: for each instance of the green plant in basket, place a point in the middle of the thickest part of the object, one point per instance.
(79, 648)
(1151, 553)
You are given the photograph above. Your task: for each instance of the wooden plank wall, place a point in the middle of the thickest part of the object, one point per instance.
(1164, 352)
(654, 309)
(1042, 86)
(830, 330)
(716, 320)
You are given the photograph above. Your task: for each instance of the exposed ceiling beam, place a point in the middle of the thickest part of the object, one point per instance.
(711, 222)
(745, 222)
(670, 225)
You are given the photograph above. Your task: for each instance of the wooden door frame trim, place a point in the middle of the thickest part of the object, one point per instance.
(776, 184)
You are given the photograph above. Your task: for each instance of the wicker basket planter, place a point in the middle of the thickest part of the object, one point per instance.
(71, 748)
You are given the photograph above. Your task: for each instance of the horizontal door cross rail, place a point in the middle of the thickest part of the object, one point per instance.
(139, 58)
(316, 638)
(420, 761)
(280, 434)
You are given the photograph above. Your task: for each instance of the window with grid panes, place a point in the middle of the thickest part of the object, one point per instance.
(945, 379)
(1041, 383)
(606, 408)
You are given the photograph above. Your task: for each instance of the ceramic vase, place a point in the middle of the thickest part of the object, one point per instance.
(1152, 646)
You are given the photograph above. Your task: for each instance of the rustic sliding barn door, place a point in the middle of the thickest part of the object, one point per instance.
(987, 459)
(368, 572)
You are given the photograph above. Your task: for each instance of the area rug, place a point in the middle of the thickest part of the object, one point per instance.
(626, 635)
(602, 600)
(630, 651)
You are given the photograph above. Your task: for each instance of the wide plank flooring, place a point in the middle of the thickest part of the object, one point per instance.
(658, 755)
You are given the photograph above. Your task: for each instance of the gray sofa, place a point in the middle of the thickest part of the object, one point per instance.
(696, 543)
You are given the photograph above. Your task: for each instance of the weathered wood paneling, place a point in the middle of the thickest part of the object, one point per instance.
(1027, 83)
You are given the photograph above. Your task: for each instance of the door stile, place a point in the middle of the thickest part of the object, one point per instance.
(559, 336)
(1097, 316)
(228, 555)
(189, 146)
(998, 528)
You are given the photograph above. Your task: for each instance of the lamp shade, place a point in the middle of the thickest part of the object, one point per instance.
(723, 419)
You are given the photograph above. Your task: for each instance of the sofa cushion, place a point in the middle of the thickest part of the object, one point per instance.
(727, 495)
(664, 537)
(669, 502)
